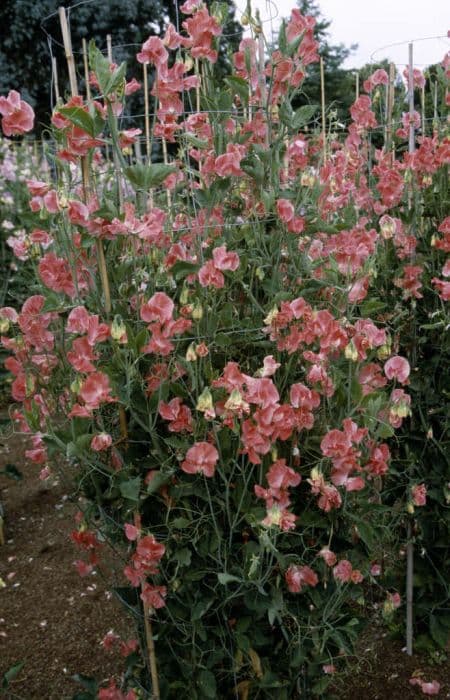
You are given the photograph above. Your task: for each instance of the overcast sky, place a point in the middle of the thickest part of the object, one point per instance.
(374, 24)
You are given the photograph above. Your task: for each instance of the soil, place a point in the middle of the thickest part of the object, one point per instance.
(53, 621)
(50, 619)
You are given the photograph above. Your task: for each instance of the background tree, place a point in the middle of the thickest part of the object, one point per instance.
(30, 34)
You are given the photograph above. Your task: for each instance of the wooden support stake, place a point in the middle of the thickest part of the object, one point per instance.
(147, 115)
(357, 85)
(151, 653)
(86, 69)
(109, 47)
(68, 51)
(55, 79)
(166, 162)
(410, 544)
(197, 87)
(422, 104)
(322, 98)
(84, 162)
(390, 107)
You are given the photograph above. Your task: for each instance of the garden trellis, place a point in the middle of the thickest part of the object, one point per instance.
(219, 348)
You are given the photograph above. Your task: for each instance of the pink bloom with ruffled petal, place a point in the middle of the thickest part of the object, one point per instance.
(18, 116)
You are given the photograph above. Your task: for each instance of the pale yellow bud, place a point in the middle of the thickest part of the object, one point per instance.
(271, 316)
(205, 402)
(191, 355)
(118, 329)
(351, 352)
(197, 313)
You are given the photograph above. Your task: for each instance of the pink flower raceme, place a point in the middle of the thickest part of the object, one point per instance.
(279, 477)
(178, 415)
(361, 113)
(158, 312)
(96, 390)
(419, 494)
(201, 458)
(345, 573)
(145, 559)
(153, 596)
(379, 77)
(202, 28)
(18, 116)
(210, 274)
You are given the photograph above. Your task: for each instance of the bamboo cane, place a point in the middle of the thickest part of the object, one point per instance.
(86, 68)
(55, 79)
(84, 163)
(322, 98)
(390, 107)
(410, 544)
(67, 41)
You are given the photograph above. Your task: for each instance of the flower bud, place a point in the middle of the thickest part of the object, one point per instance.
(76, 385)
(191, 355)
(4, 325)
(118, 329)
(205, 402)
(351, 352)
(197, 313)
(184, 296)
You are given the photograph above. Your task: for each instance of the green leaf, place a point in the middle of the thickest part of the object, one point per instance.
(321, 685)
(80, 118)
(207, 683)
(116, 80)
(130, 489)
(11, 673)
(367, 533)
(282, 39)
(11, 471)
(159, 479)
(439, 631)
(183, 268)
(183, 556)
(238, 86)
(87, 682)
(180, 523)
(303, 115)
(286, 113)
(228, 578)
(146, 176)
(200, 609)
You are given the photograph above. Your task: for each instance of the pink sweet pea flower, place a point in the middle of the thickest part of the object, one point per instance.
(96, 390)
(419, 494)
(427, 688)
(225, 260)
(18, 116)
(285, 210)
(201, 457)
(299, 576)
(343, 571)
(101, 442)
(397, 368)
(131, 532)
(159, 308)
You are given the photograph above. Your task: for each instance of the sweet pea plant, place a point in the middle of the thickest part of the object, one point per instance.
(215, 347)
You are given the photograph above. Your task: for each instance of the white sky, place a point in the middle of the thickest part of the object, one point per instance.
(373, 24)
